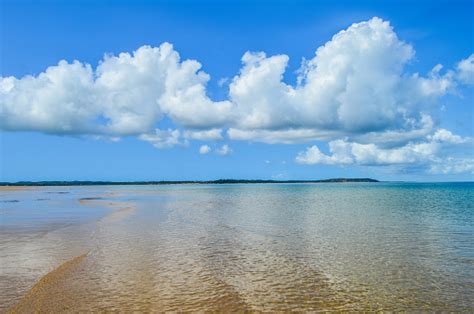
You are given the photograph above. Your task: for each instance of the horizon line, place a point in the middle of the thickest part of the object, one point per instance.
(217, 181)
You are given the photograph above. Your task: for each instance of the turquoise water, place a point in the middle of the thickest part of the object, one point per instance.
(361, 246)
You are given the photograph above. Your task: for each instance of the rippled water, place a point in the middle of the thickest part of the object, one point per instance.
(392, 246)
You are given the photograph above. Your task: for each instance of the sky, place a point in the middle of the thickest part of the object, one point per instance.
(201, 90)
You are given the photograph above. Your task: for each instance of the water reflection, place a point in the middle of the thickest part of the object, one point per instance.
(262, 247)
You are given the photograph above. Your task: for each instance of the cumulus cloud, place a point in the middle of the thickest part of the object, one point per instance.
(206, 135)
(57, 100)
(163, 138)
(126, 95)
(288, 136)
(204, 149)
(355, 84)
(452, 165)
(224, 150)
(445, 136)
(355, 92)
(465, 70)
(222, 81)
(429, 153)
(346, 153)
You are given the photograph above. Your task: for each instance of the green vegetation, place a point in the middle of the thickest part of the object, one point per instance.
(220, 181)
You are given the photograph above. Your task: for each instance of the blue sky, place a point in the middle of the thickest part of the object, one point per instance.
(376, 118)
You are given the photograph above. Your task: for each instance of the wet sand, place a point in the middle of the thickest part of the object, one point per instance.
(37, 249)
(62, 290)
(15, 188)
(185, 285)
(48, 295)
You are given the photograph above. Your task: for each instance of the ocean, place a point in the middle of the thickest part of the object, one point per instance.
(257, 247)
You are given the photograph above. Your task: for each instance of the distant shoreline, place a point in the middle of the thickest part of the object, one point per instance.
(220, 181)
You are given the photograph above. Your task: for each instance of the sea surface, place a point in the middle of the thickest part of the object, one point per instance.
(257, 247)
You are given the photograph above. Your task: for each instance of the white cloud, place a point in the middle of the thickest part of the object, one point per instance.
(279, 176)
(429, 153)
(185, 100)
(204, 149)
(288, 136)
(224, 150)
(312, 155)
(344, 153)
(206, 135)
(58, 100)
(443, 135)
(163, 138)
(453, 166)
(222, 81)
(126, 95)
(413, 130)
(465, 70)
(356, 87)
(355, 83)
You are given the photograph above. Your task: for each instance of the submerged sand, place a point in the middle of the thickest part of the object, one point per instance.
(234, 249)
(49, 294)
(15, 188)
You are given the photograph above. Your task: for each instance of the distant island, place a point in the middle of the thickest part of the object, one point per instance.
(220, 181)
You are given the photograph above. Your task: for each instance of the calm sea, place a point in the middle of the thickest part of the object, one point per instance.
(361, 246)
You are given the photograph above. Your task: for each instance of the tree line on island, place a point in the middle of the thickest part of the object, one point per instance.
(219, 181)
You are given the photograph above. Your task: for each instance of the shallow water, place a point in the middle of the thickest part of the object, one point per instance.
(374, 246)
